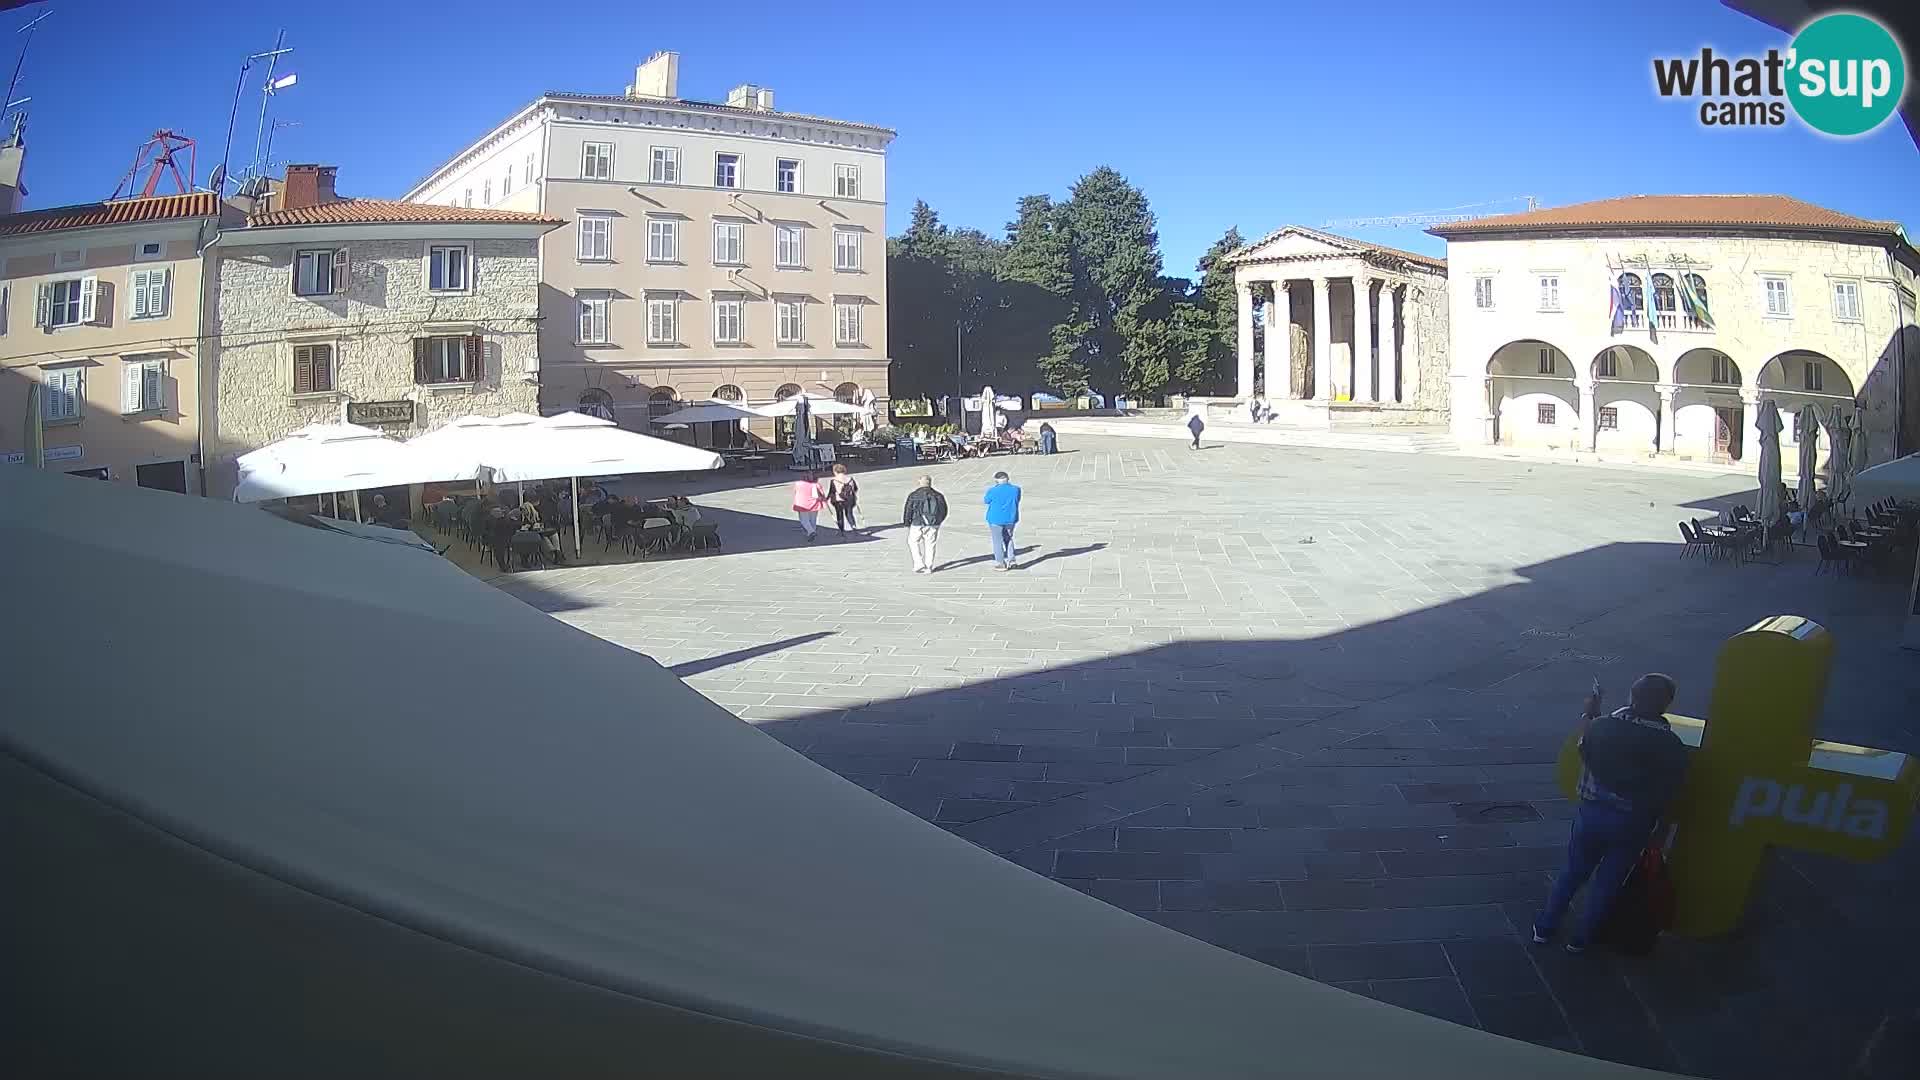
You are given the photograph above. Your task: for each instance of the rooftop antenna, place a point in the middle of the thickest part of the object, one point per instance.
(220, 175)
(268, 87)
(267, 161)
(14, 83)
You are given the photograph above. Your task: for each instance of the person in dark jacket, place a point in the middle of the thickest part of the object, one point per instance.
(1196, 425)
(926, 509)
(1049, 439)
(1633, 767)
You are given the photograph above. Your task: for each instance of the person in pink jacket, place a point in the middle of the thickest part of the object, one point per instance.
(807, 501)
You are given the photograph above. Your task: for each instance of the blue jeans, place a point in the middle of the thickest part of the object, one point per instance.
(1606, 843)
(1002, 543)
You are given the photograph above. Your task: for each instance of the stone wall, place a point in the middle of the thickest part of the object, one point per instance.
(1435, 392)
(257, 321)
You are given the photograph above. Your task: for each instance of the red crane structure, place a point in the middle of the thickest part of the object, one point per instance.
(158, 155)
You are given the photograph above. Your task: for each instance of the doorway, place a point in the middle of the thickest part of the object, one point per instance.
(1728, 423)
(163, 476)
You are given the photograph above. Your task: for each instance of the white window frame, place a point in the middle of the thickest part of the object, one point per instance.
(82, 293)
(526, 173)
(1767, 289)
(592, 318)
(729, 320)
(506, 181)
(846, 249)
(1813, 378)
(781, 174)
(595, 165)
(335, 262)
(436, 256)
(143, 385)
(149, 293)
(1483, 292)
(1849, 311)
(664, 165)
(486, 192)
(663, 239)
(1713, 371)
(663, 320)
(782, 230)
(789, 320)
(333, 369)
(1548, 364)
(1549, 289)
(848, 323)
(63, 393)
(731, 162)
(1606, 365)
(593, 236)
(846, 180)
(729, 243)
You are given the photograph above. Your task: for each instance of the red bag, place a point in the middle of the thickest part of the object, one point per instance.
(1644, 909)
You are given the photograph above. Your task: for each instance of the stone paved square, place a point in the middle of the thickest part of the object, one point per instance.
(1303, 704)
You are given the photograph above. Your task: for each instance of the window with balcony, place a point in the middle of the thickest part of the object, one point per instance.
(1666, 306)
(1633, 300)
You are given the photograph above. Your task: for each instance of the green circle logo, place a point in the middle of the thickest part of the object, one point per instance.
(1846, 74)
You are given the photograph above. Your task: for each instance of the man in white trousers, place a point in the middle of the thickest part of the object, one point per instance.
(926, 509)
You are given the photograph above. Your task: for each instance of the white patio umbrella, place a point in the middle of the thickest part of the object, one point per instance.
(987, 411)
(1896, 479)
(1806, 432)
(1767, 505)
(338, 457)
(710, 412)
(575, 444)
(818, 406)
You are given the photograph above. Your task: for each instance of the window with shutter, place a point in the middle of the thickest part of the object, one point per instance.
(132, 388)
(142, 386)
(312, 369)
(593, 319)
(89, 295)
(60, 394)
(320, 272)
(149, 288)
(340, 271)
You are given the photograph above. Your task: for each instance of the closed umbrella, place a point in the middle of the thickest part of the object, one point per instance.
(1806, 431)
(36, 448)
(1839, 462)
(1767, 506)
(1856, 451)
(802, 431)
(987, 411)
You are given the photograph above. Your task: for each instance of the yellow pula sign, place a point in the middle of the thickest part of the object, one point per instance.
(1758, 777)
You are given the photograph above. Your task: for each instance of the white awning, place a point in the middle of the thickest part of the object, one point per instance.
(1896, 479)
(818, 406)
(710, 412)
(482, 843)
(575, 444)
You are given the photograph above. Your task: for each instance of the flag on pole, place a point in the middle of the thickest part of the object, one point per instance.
(1653, 304)
(1616, 313)
(1694, 299)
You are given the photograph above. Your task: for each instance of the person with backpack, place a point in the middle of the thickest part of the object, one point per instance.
(1633, 766)
(925, 510)
(843, 492)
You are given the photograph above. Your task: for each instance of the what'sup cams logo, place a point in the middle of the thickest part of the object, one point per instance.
(1842, 74)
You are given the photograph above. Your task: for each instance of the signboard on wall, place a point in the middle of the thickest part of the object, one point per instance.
(53, 453)
(380, 412)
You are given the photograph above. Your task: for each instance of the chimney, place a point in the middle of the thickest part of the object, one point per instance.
(659, 77)
(765, 100)
(742, 96)
(308, 185)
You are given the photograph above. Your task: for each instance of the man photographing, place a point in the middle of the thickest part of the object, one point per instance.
(1633, 765)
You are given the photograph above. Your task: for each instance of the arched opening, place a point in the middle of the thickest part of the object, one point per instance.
(724, 434)
(1695, 313)
(596, 402)
(783, 426)
(1633, 301)
(1626, 405)
(660, 402)
(847, 393)
(1709, 419)
(1530, 395)
(1796, 379)
(1665, 306)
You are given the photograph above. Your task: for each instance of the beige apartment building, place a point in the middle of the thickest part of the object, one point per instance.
(100, 305)
(711, 251)
(393, 315)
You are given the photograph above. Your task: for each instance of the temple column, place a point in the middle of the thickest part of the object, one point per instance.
(1322, 340)
(1389, 377)
(1410, 344)
(1363, 339)
(1666, 393)
(1280, 342)
(1245, 291)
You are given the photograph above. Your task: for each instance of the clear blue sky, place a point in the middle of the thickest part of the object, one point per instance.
(1241, 114)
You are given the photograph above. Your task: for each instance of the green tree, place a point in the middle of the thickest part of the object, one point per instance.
(1116, 262)
(1214, 326)
(1037, 282)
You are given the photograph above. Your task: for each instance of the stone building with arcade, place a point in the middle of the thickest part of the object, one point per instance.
(1655, 325)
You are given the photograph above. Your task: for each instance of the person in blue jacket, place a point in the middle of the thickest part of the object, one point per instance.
(1003, 513)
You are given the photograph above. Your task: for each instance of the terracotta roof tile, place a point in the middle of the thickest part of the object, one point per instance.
(116, 212)
(392, 212)
(1683, 211)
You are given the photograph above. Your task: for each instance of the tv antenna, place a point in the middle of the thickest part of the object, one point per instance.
(14, 82)
(272, 57)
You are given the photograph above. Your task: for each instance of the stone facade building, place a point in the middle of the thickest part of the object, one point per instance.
(1656, 324)
(1354, 333)
(394, 315)
(712, 250)
(100, 307)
